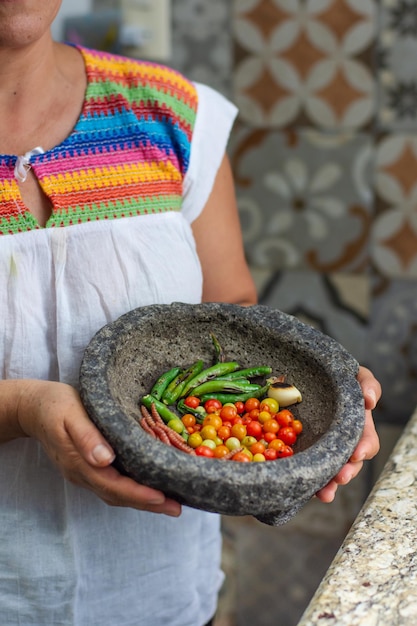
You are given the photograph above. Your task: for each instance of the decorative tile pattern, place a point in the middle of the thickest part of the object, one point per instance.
(397, 70)
(394, 231)
(202, 43)
(336, 304)
(299, 62)
(305, 198)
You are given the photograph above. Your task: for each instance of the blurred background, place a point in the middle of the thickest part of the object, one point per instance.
(324, 153)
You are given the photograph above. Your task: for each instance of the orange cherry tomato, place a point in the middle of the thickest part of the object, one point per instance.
(277, 444)
(238, 431)
(212, 419)
(188, 420)
(257, 448)
(271, 426)
(228, 412)
(269, 437)
(254, 414)
(220, 451)
(224, 432)
(298, 427)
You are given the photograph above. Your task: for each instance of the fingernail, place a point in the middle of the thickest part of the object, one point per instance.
(103, 454)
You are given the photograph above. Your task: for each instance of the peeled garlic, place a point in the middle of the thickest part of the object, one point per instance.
(284, 393)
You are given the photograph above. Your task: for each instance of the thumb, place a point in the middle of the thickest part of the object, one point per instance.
(90, 443)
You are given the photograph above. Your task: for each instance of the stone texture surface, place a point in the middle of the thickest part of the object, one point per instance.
(125, 358)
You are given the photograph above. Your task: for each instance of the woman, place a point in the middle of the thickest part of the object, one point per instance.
(114, 193)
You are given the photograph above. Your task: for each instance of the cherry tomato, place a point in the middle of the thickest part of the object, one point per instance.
(241, 457)
(188, 420)
(257, 448)
(269, 404)
(212, 405)
(284, 417)
(254, 429)
(271, 426)
(212, 419)
(232, 443)
(223, 432)
(254, 414)
(240, 407)
(195, 440)
(238, 431)
(298, 427)
(264, 416)
(270, 454)
(287, 434)
(277, 444)
(192, 401)
(287, 451)
(258, 458)
(220, 451)
(252, 403)
(246, 419)
(208, 432)
(228, 412)
(269, 437)
(237, 420)
(204, 451)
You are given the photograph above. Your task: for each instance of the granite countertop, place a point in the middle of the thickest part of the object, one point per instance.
(373, 578)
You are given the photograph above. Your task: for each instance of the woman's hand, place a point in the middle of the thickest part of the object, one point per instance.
(368, 445)
(53, 414)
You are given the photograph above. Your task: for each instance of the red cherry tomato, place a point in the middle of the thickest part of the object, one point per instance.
(204, 451)
(286, 451)
(240, 407)
(252, 403)
(192, 402)
(254, 429)
(270, 454)
(212, 405)
(287, 435)
(284, 417)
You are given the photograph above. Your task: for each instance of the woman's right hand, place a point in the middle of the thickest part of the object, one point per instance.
(53, 413)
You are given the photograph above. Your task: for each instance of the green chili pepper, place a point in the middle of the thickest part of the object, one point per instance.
(208, 374)
(215, 386)
(175, 387)
(250, 372)
(163, 381)
(220, 356)
(231, 397)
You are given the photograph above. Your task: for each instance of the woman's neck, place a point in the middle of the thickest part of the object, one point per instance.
(41, 95)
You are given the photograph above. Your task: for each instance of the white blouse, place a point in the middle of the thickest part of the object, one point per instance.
(66, 558)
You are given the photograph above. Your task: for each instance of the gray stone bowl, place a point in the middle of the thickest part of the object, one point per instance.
(124, 359)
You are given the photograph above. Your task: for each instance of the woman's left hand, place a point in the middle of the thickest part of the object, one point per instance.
(368, 445)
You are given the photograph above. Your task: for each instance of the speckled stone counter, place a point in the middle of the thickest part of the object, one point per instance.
(373, 578)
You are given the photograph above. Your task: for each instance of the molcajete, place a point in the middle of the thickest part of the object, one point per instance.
(125, 357)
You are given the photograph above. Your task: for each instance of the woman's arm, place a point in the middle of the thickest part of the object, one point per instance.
(217, 231)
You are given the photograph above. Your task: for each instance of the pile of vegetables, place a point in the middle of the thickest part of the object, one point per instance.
(223, 411)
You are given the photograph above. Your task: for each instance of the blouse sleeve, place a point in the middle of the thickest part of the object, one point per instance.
(215, 117)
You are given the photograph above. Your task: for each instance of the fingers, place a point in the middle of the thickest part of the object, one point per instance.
(368, 445)
(371, 388)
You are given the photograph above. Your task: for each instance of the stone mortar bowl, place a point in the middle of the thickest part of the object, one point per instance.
(124, 359)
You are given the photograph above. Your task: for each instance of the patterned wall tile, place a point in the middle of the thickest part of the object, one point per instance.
(394, 231)
(396, 66)
(336, 304)
(202, 42)
(305, 198)
(393, 347)
(305, 62)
